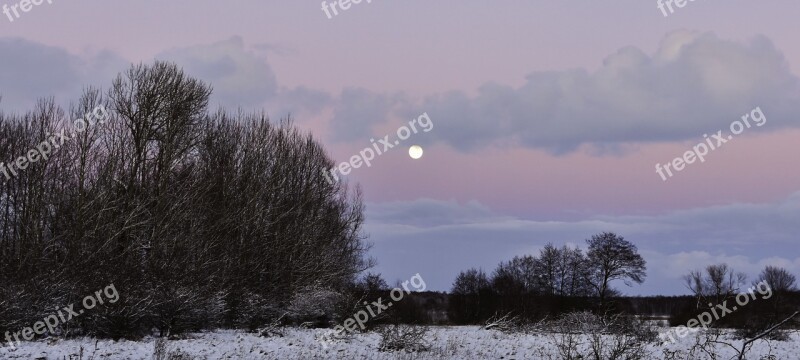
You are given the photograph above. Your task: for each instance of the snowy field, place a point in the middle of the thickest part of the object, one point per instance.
(447, 343)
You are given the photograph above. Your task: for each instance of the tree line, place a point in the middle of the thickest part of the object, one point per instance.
(557, 280)
(200, 218)
(568, 280)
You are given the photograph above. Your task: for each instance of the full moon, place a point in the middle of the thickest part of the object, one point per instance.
(415, 152)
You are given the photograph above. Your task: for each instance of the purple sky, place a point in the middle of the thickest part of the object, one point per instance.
(549, 117)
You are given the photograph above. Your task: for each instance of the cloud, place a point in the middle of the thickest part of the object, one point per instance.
(277, 49)
(240, 77)
(299, 100)
(431, 212)
(695, 83)
(357, 110)
(442, 238)
(32, 71)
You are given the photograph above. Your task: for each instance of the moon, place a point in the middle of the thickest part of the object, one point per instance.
(415, 152)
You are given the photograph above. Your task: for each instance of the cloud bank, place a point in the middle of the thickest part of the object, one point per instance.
(456, 237)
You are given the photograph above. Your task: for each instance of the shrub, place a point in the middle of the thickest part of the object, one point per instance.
(404, 338)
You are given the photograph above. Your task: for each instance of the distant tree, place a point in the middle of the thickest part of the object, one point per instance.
(515, 285)
(719, 283)
(471, 297)
(505, 281)
(610, 257)
(778, 278)
(516, 277)
(547, 267)
(470, 282)
(783, 284)
(572, 273)
(562, 271)
(373, 283)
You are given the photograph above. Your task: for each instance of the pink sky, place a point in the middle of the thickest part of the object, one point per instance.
(411, 53)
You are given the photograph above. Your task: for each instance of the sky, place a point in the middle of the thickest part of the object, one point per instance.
(548, 118)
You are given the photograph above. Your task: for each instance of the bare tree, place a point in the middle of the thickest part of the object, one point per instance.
(469, 301)
(572, 275)
(519, 276)
(200, 219)
(547, 269)
(470, 282)
(611, 257)
(778, 278)
(717, 284)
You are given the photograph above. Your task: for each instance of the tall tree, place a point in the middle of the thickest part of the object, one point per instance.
(611, 257)
(199, 219)
(470, 297)
(778, 278)
(572, 273)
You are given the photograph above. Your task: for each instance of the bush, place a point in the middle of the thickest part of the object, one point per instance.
(160, 352)
(507, 323)
(404, 338)
(315, 305)
(584, 335)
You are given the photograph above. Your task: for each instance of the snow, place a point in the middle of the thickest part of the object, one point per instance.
(447, 343)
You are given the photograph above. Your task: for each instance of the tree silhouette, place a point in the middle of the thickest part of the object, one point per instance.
(611, 257)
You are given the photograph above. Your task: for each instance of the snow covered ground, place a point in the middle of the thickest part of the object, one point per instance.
(447, 343)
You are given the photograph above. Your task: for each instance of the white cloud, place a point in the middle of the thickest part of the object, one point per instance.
(31, 71)
(239, 76)
(694, 84)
